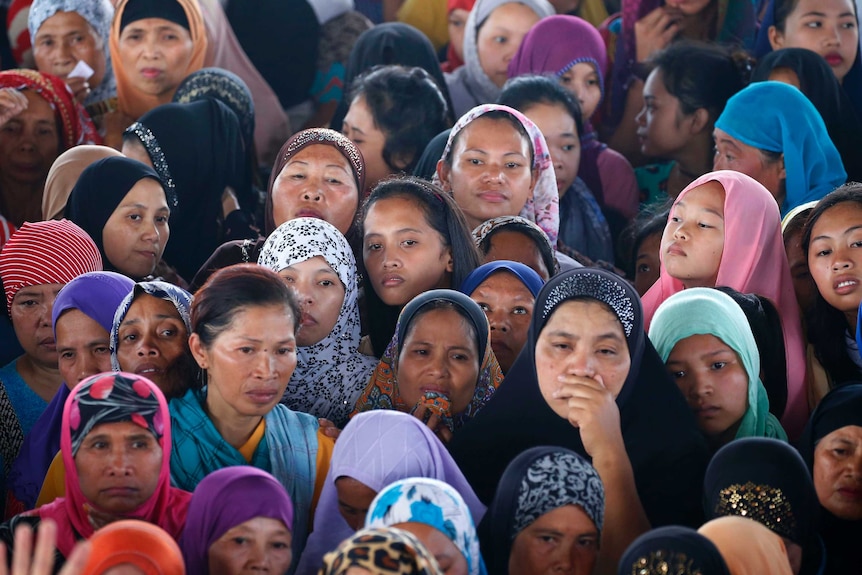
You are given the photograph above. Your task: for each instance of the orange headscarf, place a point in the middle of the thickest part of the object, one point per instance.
(748, 547)
(134, 103)
(131, 542)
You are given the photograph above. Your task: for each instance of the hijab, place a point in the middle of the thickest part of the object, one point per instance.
(113, 398)
(707, 311)
(677, 550)
(382, 392)
(434, 503)
(753, 261)
(133, 102)
(143, 545)
(381, 550)
(224, 499)
(484, 231)
(453, 61)
(527, 276)
(378, 448)
(666, 450)
(747, 547)
(790, 125)
(538, 481)
(64, 174)
(543, 208)
(331, 374)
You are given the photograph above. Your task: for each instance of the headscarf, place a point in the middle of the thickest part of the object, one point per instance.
(382, 550)
(434, 503)
(382, 392)
(470, 85)
(131, 542)
(676, 550)
(538, 481)
(331, 374)
(453, 61)
(132, 102)
(791, 125)
(64, 174)
(100, 189)
(543, 207)
(224, 499)
(98, 14)
(753, 261)
(180, 298)
(75, 125)
(667, 452)
(527, 276)
(520, 225)
(113, 398)
(19, 36)
(97, 295)
(707, 311)
(378, 448)
(196, 150)
(52, 252)
(747, 547)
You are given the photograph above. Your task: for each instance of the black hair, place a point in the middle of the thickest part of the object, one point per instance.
(549, 258)
(795, 225)
(498, 116)
(407, 106)
(523, 92)
(649, 221)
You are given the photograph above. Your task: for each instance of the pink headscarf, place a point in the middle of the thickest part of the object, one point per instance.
(753, 261)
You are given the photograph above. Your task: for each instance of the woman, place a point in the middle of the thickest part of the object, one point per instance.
(653, 552)
(589, 380)
(517, 239)
(239, 518)
(457, 13)
(376, 550)
(64, 174)
(128, 416)
(134, 544)
(311, 255)
(545, 489)
(747, 547)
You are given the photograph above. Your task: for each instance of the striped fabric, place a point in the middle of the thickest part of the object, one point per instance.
(6, 231)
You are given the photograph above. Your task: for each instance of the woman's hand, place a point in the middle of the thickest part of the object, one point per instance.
(115, 123)
(434, 422)
(655, 31)
(80, 88)
(12, 103)
(26, 561)
(328, 428)
(592, 409)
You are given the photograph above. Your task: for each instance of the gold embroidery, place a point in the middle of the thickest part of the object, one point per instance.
(763, 503)
(664, 563)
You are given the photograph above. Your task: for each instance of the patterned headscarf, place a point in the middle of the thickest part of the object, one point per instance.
(383, 551)
(434, 503)
(543, 208)
(331, 374)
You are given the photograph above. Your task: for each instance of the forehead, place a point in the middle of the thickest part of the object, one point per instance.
(492, 133)
(145, 305)
(320, 153)
(503, 281)
(62, 21)
(709, 195)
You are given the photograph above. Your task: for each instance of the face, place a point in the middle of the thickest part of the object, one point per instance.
(153, 342)
(320, 294)
(647, 263)
(787, 76)
(62, 41)
(118, 466)
(354, 499)
(31, 317)
(456, 21)
(827, 27)
(258, 545)
(249, 364)
(509, 306)
(29, 142)
(582, 81)
(583, 339)
(663, 129)
(564, 540)
(517, 247)
(137, 232)
(731, 154)
(360, 127)
(689, 7)
(491, 172)
(83, 347)
(803, 283)
(316, 183)
(838, 472)
(404, 256)
(155, 53)
(714, 382)
(564, 144)
(835, 256)
(444, 550)
(500, 36)
(693, 239)
(439, 354)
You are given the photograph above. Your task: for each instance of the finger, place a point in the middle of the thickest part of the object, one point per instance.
(46, 539)
(653, 16)
(323, 422)
(445, 434)
(669, 33)
(433, 422)
(77, 561)
(22, 550)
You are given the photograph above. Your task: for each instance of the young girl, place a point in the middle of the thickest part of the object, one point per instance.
(724, 230)
(705, 340)
(404, 255)
(640, 247)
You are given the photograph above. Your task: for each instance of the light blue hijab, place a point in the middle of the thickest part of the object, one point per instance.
(777, 117)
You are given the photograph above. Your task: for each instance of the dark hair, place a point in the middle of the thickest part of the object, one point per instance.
(497, 116)
(407, 106)
(649, 221)
(523, 92)
(795, 225)
(232, 289)
(549, 258)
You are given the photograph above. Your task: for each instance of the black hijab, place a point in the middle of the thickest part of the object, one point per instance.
(667, 452)
(672, 550)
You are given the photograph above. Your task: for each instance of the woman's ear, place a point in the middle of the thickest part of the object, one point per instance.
(450, 265)
(776, 38)
(700, 122)
(782, 171)
(444, 170)
(199, 352)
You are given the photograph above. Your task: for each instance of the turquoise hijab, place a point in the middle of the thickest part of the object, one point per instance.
(777, 117)
(706, 311)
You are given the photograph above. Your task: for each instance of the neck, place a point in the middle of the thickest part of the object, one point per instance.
(234, 427)
(852, 319)
(719, 440)
(42, 379)
(21, 202)
(700, 26)
(695, 159)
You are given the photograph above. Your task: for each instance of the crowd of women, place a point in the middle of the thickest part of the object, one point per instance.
(456, 287)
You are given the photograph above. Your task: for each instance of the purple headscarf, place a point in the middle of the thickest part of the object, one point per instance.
(97, 295)
(378, 448)
(225, 499)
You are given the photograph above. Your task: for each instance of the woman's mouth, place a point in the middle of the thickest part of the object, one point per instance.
(845, 285)
(834, 59)
(391, 280)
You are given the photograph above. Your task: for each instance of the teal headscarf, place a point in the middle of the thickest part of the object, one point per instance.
(777, 117)
(706, 311)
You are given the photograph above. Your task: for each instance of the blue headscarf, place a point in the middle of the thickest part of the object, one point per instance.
(528, 277)
(777, 117)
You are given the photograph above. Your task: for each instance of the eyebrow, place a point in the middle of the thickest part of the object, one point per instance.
(91, 343)
(727, 141)
(708, 210)
(352, 127)
(402, 230)
(823, 14)
(849, 230)
(141, 206)
(304, 163)
(606, 335)
(134, 321)
(481, 151)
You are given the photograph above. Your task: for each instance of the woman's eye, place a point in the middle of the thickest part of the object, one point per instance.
(520, 311)
(372, 247)
(501, 39)
(704, 226)
(485, 307)
(129, 337)
(513, 165)
(823, 253)
(135, 217)
(569, 147)
(246, 350)
(410, 242)
(678, 374)
(327, 283)
(102, 349)
(675, 219)
(161, 219)
(475, 161)
(285, 350)
(643, 269)
(719, 365)
(67, 355)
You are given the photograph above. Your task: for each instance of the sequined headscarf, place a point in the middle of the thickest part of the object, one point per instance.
(672, 550)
